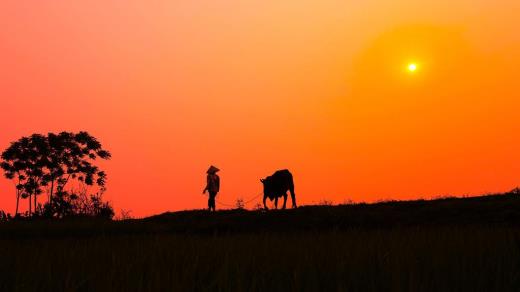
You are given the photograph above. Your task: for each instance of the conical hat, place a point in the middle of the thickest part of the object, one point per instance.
(212, 169)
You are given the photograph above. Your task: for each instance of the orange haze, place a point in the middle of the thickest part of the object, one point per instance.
(319, 87)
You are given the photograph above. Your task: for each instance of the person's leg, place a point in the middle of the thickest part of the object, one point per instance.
(212, 202)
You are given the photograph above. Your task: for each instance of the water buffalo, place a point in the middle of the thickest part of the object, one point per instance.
(277, 185)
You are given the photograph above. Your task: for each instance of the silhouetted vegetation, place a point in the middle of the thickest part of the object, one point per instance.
(69, 205)
(124, 215)
(450, 244)
(240, 204)
(57, 164)
(4, 217)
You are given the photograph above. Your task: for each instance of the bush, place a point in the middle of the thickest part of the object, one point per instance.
(124, 215)
(325, 202)
(240, 204)
(4, 217)
(70, 205)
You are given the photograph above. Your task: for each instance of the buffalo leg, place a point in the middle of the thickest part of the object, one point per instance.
(265, 206)
(284, 200)
(276, 203)
(293, 196)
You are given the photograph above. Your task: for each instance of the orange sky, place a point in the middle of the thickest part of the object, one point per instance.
(319, 87)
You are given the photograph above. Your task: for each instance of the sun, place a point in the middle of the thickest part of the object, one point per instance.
(412, 67)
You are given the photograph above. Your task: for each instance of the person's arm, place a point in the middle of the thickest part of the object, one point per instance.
(207, 184)
(218, 183)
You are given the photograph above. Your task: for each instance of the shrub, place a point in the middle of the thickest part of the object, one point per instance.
(240, 204)
(69, 205)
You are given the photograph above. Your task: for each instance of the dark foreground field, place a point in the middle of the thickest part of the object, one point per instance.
(470, 244)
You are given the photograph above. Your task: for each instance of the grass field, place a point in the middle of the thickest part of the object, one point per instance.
(470, 244)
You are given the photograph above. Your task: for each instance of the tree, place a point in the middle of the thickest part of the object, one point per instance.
(23, 162)
(51, 162)
(72, 157)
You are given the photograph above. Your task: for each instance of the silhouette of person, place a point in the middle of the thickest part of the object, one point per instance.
(212, 186)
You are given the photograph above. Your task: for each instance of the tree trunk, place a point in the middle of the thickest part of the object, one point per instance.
(17, 202)
(18, 193)
(30, 202)
(35, 202)
(51, 192)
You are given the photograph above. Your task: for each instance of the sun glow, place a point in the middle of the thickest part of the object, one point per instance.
(412, 67)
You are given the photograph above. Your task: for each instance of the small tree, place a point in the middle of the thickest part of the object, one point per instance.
(52, 161)
(24, 162)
